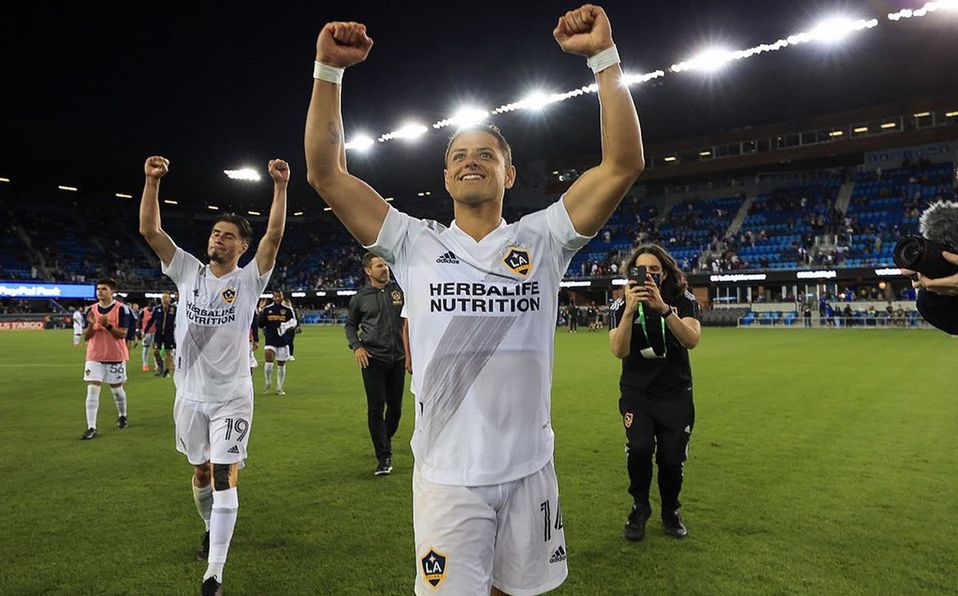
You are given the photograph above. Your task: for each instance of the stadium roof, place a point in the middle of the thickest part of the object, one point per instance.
(91, 89)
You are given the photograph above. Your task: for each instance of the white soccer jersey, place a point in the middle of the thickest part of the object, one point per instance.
(482, 325)
(77, 322)
(212, 328)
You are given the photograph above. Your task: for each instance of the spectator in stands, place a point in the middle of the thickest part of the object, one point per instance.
(651, 329)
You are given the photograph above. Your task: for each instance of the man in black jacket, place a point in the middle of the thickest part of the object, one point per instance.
(374, 330)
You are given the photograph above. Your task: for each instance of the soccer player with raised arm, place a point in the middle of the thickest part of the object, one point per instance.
(213, 410)
(481, 298)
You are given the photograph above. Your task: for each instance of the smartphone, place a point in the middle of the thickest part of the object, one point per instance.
(638, 274)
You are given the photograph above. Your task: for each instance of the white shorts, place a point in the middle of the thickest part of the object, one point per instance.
(216, 432)
(282, 352)
(105, 372)
(506, 535)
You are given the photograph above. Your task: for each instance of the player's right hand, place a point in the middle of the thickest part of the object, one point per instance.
(362, 357)
(156, 167)
(343, 44)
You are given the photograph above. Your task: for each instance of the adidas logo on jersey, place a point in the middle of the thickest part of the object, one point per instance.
(449, 258)
(559, 555)
(233, 449)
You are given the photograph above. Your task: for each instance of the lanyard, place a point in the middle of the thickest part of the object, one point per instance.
(665, 344)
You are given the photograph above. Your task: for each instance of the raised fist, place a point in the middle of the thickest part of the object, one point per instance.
(584, 31)
(279, 170)
(156, 167)
(343, 44)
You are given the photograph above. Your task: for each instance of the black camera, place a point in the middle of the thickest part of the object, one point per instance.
(924, 256)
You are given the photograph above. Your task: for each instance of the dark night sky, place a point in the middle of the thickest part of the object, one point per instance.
(92, 89)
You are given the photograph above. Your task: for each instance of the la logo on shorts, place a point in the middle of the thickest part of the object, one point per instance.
(628, 419)
(433, 567)
(229, 294)
(518, 261)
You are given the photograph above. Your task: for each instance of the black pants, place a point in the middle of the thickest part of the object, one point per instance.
(385, 383)
(662, 427)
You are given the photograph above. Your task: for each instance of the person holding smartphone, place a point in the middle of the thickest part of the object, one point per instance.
(651, 329)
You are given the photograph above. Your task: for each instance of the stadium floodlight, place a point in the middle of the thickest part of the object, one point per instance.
(537, 101)
(121, 195)
(889, 125)
(860, 129)
(708, 60)
(361, 143)
(388, 199)
(929, 7)
(246, 174)
(297, 213)
(469, 116)
(327, 208)
(212, 207)
(170, 202)
(409, 132)
(254, 212)
(4, 180)
(345, 292)
(298, 294)
(951, 114)
(922, 114)
(68, 188)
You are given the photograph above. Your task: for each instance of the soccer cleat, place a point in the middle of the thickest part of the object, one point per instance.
(635, 527)
(211, 587)
(291, 358)
(385, 466)
(157, 372)
(89, 434)
(280, 392)
(673, 525)
(146, 368)
(166, 372)
(203, 552)
(121, 422)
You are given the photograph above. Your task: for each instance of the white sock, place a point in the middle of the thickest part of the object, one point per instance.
(280, 377)
(119, 398)
(268, 371)
(222, 520)
(203, 498)
(92, 404)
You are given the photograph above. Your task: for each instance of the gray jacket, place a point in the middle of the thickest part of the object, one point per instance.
(374, 322)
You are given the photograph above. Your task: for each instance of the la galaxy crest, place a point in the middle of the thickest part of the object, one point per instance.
(518, 260)
(433, 566)
(229, 294)
(396, 296)
(628, 419)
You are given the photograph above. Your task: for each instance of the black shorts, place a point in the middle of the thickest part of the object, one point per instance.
(164, 342)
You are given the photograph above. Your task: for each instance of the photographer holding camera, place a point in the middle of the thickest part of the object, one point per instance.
(651, 329)
(931, 260)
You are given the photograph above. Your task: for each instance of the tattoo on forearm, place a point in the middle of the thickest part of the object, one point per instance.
(335, 135)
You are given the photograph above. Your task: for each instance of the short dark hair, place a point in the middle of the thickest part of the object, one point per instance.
(368, 259)
(486, 128)
(245, 230)
(107, 281)
(674, 284)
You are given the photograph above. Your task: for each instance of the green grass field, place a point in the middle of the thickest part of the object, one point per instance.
(823, 462)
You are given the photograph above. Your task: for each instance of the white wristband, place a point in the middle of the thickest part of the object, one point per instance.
(604, 59)
(330, 74)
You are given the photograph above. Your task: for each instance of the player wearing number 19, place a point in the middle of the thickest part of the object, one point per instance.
(213, 410)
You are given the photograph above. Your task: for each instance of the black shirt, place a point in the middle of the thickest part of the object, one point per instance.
(375, 322)
(655, 378)
(270, 319)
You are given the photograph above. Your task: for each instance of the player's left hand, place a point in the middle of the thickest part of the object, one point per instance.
(584, 31)
(102, 320)
(279, 170)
